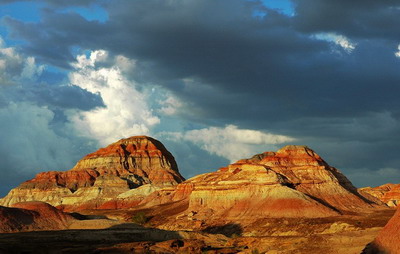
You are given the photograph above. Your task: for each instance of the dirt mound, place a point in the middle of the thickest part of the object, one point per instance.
(33, 216)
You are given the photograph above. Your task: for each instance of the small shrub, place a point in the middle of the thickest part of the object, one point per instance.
(139, 218)
(235, 235)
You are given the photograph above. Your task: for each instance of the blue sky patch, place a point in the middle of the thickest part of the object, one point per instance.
(25, 11)
(92, 13)
(284, 6)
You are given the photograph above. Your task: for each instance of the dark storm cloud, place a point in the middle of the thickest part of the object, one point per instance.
(31, 143)
(65, 97)
(225, 46)
(63, 3)
(54, 96)
(358, 19)
(256, 72)
(54, 45)
(35, 134)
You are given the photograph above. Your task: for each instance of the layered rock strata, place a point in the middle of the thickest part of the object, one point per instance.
(292, 182)
(101, 176)
(248, 191)
(310, 174)
(387, 193)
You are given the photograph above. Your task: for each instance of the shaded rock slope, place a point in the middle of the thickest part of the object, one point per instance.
(32, 216)
(101, 176)
(388, 239)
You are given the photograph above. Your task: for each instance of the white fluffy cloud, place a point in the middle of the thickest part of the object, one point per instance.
(231, 142)
(397, 53)
(15, 67)
(126, 110)
(170, 105)
(338, 39)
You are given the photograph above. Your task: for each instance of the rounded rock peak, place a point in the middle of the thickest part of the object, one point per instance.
(293, 150)
(132, 144)
(143, 156)
(141, 140)
(135, 138)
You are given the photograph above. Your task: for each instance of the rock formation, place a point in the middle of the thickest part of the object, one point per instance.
(101, 176)
(291, 193)
(292, 182)
(387, 193)
(388, 239)
(29, 216)
(309, 173)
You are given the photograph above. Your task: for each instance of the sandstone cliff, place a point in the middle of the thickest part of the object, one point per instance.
(387, 193)
(101, 176)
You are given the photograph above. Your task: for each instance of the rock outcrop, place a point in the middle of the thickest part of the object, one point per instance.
(247, 190)
(388, 239)
(310, 174)
(101, 176)
(32, 216)
(139, 171)
(387, 193)
(292, 182)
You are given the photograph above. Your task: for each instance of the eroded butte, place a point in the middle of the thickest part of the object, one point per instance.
(130, 197)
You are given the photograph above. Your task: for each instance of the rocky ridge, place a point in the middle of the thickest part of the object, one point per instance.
(309, 173)
(101, 176)
(292, 182)
(387, 193)
(288, 195)
(139, 172)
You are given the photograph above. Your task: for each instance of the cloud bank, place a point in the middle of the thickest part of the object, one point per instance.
(125, 112)
(231, 142)
(325, 74)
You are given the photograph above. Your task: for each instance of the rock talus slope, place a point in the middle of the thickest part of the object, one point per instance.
(100, 176)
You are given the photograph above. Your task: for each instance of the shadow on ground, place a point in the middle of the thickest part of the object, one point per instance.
(80, 241)
(229, 230)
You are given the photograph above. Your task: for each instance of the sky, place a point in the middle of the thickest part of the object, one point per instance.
(214, 80)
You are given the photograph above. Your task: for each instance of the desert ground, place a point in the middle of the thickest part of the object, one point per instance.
(98, 234)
